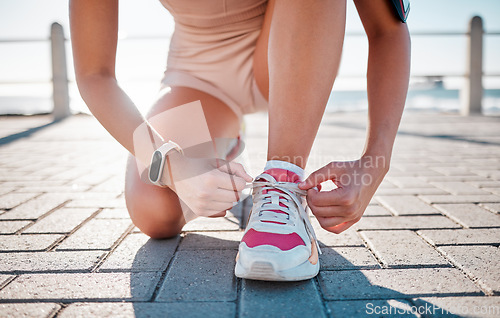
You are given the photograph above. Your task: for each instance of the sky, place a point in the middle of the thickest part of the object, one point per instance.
(31, 19)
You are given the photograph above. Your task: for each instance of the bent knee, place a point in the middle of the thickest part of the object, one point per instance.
(155, 224)
(154, 227)
(158, 233)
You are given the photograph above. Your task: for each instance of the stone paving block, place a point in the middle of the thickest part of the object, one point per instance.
(52, 189)
(409, 191)
(68, 174)
(110, 185)
(454, 178)
(150, 310)
(95, 234)
(395, 283)
(49, 261)
(370, 308)
(201, 275)
(492, 190)
(91, 179)
(479, 262)
(402, 248)
(212, 224)
(93, 196)
(41, 183)
(493, 207)
(453, 171)
(485, 184)
(405, 166)
(470, 215)
(63, 220)
(490, 173)
(99, 203)
(459, 188)
(487, 307)
(33, 310)
(406, 205)
(376, 210)
(13, 177)
(346, 238)
(37, 207)
(386, 184)
(280, 299)
(406, 223)
(468, 198)
(138, 252)
(11, 227)
(10, 200)
(27, 242)
(464, 236)
(79, 287)
(113, 214)
(4, 190)
(409, 182)
(340, 258)
(211, 240)
(4, 279)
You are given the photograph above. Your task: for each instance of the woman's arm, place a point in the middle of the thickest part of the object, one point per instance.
(387, 75)
(94, 33)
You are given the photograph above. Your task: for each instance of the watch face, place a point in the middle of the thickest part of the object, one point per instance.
(154, 170)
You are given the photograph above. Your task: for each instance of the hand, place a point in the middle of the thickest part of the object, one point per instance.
(356, 182)
(208, 187)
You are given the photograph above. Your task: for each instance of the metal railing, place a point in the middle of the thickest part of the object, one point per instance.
(470, 96)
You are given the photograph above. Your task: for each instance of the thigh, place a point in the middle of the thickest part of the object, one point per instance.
(260, 66)
(157, 211)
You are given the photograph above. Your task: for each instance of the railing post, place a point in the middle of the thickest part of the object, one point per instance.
(472, 92)
(60, 92)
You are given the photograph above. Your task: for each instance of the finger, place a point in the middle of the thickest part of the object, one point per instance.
(228, 181)
(328, 211)
(335, 197)
(237, 169)
(330, 222)
(315, 178)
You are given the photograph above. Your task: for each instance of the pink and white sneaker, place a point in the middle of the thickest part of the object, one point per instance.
(279, 243)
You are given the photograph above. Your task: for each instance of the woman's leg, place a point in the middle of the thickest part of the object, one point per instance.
(157, 211)
(302, 42)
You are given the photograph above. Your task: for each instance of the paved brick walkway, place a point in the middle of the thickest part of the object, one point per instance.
(430, 238)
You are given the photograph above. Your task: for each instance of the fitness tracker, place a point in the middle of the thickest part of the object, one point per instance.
(158, 161)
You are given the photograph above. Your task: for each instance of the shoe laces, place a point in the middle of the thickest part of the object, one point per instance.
(285, 197)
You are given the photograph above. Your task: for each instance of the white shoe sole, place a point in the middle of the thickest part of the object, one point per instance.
(261, 270)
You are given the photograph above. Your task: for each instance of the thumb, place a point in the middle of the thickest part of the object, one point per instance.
(319, 176)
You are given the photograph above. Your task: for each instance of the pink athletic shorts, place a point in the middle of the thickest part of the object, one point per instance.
(212, 50)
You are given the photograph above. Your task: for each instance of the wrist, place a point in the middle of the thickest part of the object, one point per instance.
(160, 170)
(376, 161)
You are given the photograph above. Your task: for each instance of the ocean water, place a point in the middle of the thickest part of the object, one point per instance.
(430, 99)
(36, 99)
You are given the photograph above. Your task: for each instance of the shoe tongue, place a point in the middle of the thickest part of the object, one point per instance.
(282, 175)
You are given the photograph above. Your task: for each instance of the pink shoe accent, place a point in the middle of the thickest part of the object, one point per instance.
(284, 242)
(283, 175)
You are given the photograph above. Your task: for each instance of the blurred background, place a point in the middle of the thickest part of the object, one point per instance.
(439, 51)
